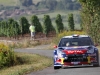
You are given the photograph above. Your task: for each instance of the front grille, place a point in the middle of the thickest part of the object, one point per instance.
(75, 59)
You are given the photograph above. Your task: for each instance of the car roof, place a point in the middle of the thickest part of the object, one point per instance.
(75, 35)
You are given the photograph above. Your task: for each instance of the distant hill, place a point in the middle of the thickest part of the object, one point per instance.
(14, 2)
(13, 8)
(42, 3)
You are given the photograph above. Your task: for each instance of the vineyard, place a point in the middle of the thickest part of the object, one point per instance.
(9, 28)
(16, 29)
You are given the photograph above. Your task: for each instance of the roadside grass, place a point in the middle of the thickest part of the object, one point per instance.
(27, 43)
(29, 63)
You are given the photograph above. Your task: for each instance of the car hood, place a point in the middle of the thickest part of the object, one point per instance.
(76, 49)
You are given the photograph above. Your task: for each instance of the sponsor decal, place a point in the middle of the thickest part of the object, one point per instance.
(93, 59)
(94, 54)
(90, 51)
(75, 51)
(75, 63)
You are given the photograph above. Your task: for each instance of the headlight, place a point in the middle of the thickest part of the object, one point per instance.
(62, 52)
(64, 55)
(90, 50)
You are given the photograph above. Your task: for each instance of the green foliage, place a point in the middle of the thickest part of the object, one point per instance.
(24, 25)
(28, 63)
(90, 14)
(36, 23)
(71, 22)
(12, 28)
(59, 24)
(47, 24)
(2, 27)
(7, 56)
(81, 26)
(9, 28)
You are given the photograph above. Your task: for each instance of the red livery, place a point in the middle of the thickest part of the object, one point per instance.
(74, 51)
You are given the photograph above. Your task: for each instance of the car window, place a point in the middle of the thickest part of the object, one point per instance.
(82, 41)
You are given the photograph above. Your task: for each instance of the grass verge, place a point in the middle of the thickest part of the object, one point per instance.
(26, 43)
(29, 63)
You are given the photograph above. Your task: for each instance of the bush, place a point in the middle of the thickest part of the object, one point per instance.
(7, 56)
(65, 33)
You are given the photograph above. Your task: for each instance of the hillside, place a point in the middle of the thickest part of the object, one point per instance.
(17, 8)
(14, 2)
(8, 2)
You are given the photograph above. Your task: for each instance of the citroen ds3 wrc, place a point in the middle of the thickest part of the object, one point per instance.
(76, 50)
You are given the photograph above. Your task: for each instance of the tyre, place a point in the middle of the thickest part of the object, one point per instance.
(56, 67)
(96, 65)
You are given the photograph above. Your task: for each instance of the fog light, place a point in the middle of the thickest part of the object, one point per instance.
(66, 57)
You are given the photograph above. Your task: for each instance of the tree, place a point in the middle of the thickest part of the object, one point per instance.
(59, 24)
(24, 25)
(16, 29)
(90, 14)
(0, 29)
(12, 28)
(71, 22)
(47, 25)
(3, 26)
(9, 28)
(36, 23)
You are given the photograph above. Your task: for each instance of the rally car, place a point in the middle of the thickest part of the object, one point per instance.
(76, 50)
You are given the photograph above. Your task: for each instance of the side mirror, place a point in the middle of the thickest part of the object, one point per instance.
(55, 47)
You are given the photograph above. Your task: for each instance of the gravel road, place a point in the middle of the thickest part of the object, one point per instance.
(51, 71)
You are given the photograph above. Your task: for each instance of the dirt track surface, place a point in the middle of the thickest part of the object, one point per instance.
(51, 71)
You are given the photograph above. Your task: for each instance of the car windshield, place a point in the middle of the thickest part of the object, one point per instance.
(82, 41)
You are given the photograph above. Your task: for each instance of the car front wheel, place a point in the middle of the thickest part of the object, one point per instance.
(56, 67)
